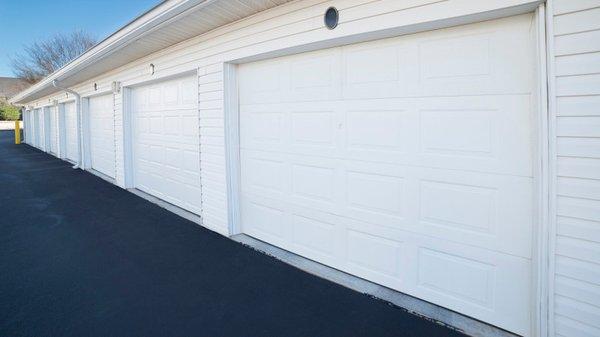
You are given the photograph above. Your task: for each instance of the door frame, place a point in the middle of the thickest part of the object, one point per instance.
(543, 208)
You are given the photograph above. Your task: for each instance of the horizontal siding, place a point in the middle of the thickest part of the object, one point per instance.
(577, 22)
(577, 242)
(578, 85)
(570, 6)
(567, 327)
(572, 44)
(578, 228)
(578, 64)
(579, 290)
(580, 106)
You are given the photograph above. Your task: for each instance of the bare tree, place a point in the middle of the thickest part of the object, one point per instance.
(44, 57)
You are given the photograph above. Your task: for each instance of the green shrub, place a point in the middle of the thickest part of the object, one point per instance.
(9, 112)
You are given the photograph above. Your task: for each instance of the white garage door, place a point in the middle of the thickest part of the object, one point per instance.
(33, 128)
(166, 142)
(102, 134)
(52, 122)
(71, 140)
(27, 127)
(39, 129)
(405, 161)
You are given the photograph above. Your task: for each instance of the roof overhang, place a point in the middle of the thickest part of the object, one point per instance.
(166, 24)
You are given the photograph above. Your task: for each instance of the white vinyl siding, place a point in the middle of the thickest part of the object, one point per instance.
(577, 261)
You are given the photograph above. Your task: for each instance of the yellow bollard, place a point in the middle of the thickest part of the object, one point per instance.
(17, 133)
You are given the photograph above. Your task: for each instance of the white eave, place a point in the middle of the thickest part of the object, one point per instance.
(166, 24)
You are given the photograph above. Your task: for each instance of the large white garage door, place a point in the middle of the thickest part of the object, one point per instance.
(71, 140)
(405, 161)
(39, 129)
(52, 122)
(166, 142)
(102, 134)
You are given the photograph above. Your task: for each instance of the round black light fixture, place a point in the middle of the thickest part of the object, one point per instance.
(331, 17)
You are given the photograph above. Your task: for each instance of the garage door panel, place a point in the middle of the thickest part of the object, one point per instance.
(166, 142)
(476, 61)
(265, 220)
(460, 133)
(470, 134)
(267, 176)
(485, 284)
(307, 77)
(488, 211)
(266, 83)
(263, 126)
(313, 236)
(433, 269)
(411, 168)
(484, 210)
(179, 155)
(314, 76)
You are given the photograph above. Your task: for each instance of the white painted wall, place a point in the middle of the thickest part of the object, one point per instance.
(576, 63)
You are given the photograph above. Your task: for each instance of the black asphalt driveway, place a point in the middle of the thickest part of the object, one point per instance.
(81, 257)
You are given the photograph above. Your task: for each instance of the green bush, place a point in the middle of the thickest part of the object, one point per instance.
(9, 112)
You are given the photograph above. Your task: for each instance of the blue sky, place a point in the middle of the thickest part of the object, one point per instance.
(25, 21)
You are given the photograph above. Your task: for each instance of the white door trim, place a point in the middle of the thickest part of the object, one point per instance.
(541, 261)
(551, 172)
(541, 253)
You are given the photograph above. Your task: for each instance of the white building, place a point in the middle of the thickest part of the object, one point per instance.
(449, 150)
